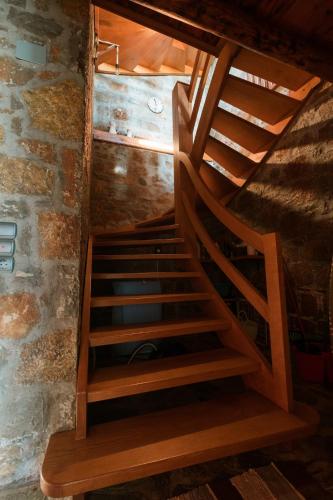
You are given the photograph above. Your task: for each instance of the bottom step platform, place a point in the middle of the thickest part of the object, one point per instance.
(137, 447)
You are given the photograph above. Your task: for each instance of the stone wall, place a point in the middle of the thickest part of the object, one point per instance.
(42, 188)
(130, 185)
(292, 194)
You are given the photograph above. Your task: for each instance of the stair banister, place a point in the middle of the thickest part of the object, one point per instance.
(188, 186)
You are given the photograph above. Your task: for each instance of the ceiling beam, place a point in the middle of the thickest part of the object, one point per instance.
(184, 32)
(222, 18)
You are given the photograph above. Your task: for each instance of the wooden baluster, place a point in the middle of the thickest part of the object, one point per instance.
(195, 75)
(278, 322)
(182, 141)
(213, 97)
(82, 376)
(203, 80)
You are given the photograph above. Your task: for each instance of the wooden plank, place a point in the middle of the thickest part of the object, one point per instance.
(145, 275)
(203, 80)
(133, 142)
(162, 329)
(142, 446)
(224, 215)
(82, 375)
(240, 26)
(270, 69)
(126, 380)
(265, 104)
(251, 137)
(135, 231)
(230, 159)
(217, 183)
(175, 58)
(145, 256)
(156, 298)
(134, 243)
(236, 277)
(278, 325)
(215, 90)
(157, 220)
(194, 37)
(195, 75)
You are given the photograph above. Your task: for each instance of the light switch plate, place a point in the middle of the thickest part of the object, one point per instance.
(7, 248)
(31, 52)
(8, 230)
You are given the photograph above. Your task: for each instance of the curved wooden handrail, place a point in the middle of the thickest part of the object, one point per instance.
(82, 374)
(237, 278)
(233, 223)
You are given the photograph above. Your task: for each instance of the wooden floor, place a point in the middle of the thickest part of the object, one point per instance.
(136, 447)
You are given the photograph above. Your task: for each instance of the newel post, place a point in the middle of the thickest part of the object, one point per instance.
(278, 322)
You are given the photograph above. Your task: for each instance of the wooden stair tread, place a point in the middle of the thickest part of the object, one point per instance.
(157, 442)
(155, 298)
(145, 256)
(251, 137)
(137, 230)
(132, 333)
(124, 243)
(147, 275)
(258, 101)
(230, 159)
(270, 69)
(126, 380)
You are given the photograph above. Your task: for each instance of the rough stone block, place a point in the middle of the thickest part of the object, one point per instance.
(13, 73)
(19, 313)
(51, 358)
(23, 176)
(44, 150)
(57, 109)
(14, 208)
(70, 169)
(34, 23)
(59, 235)
(2, 134)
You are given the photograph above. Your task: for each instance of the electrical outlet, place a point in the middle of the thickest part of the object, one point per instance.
(7, 248)
(7, 264)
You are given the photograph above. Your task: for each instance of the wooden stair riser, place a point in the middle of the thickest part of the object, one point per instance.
(127, 380)
(136, 257)
(121, 300)
(135, 231)
(136, 243)
(163, 329)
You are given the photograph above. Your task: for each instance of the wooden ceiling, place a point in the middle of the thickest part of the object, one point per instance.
(296, 32)
(142, 50)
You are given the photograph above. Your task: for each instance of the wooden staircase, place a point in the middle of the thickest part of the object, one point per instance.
(164, 250)
(251, 101)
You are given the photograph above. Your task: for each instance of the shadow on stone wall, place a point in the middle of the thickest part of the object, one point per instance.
(292, 194)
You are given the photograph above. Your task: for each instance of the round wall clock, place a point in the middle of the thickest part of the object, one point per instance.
(155, 105)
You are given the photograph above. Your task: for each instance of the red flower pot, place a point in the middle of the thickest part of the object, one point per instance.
(311, 367)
